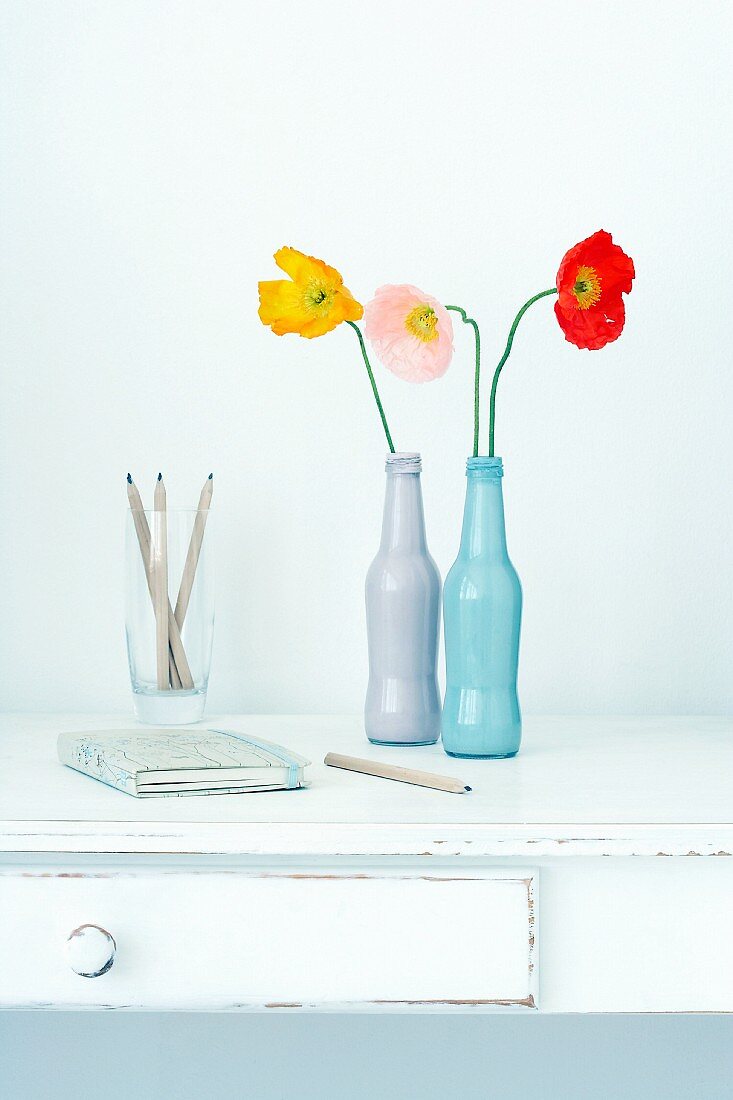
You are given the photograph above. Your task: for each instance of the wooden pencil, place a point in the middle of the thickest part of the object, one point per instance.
(180, 673)
(160, 583)
(194, 551)
(177, 657)
(391, 771)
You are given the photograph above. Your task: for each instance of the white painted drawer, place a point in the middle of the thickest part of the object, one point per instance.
(239, 939)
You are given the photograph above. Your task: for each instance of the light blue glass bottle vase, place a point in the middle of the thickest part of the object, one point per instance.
(482, 609)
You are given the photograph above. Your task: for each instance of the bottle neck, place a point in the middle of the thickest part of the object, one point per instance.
(484, 533)
(403, 525)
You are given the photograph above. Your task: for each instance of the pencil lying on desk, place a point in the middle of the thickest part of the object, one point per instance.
(391, 771)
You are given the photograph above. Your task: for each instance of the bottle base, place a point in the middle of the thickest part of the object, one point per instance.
(402, 744)
(482, 755)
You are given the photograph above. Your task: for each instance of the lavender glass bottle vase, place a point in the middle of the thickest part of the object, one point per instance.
(403, 612)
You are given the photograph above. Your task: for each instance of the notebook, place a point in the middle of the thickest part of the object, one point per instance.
(150, 763)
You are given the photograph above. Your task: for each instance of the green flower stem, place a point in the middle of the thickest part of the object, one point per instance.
(476, 376)
(502, 361)
(375, 391)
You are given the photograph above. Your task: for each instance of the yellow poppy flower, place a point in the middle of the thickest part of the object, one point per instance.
(313, 303)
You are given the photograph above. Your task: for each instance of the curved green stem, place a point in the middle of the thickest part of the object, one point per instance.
(375, 391)
(502, 361)
(476, 376)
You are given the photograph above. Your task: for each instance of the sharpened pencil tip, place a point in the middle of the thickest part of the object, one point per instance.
(467, 788)
(129, 479)
(160, 477)
(210, 477)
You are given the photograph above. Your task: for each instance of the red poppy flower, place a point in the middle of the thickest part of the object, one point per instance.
(592, 277)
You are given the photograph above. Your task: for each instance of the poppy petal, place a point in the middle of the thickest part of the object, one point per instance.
(302, 268)
(281, 306)
(592, 328)
(318, 326)
(350, 308)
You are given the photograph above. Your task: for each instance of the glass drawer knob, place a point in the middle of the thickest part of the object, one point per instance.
(91, 950)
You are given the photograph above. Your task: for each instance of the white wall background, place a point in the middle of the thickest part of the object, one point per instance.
(155, 154)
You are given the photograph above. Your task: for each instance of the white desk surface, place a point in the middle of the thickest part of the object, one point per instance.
(579, 786)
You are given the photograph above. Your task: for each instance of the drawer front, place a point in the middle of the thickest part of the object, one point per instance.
(222, 940)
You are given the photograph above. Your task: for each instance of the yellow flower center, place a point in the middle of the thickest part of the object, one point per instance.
(587, 288)
(422, 321)
(318, 297)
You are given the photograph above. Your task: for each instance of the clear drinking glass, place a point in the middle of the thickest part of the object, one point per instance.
(169, 683)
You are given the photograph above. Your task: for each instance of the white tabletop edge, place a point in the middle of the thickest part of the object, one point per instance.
(580, 786)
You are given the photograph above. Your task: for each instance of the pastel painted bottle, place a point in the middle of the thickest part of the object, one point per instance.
(482, 610)
(403, 611)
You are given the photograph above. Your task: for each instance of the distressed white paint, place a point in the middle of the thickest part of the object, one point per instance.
(618, 934)
(263, 839)
(614, 935)
(317, 938)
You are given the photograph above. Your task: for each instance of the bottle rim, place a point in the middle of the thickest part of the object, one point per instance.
(485, 466)
(403, 462)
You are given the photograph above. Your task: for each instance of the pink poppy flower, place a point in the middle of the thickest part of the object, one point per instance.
(411, 332)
